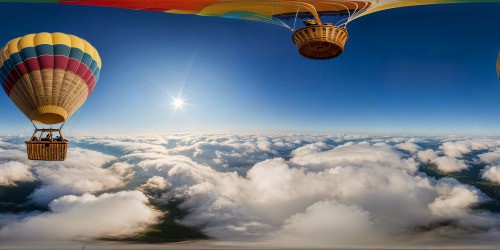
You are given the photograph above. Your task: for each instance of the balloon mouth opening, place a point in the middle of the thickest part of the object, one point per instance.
(320, 42)
(49, 114)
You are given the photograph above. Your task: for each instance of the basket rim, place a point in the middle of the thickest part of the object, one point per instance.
(47, 142)
(321, 25)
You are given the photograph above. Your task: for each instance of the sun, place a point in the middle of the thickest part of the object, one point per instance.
(178, 103)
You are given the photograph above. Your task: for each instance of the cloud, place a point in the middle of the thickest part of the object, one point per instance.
(276, 195)
(233, 152)
(427, 155)
(490, 157)
(127, 144)
(491, 173)
(12, 172)
(329, 222)
(14, 155)
(449, 164)
(155, 187)
(85, 217)
(309, 148)
(156, 183)
(457, 149)
(408, 146)
(454, 200)
(81, 173)
(353, 154)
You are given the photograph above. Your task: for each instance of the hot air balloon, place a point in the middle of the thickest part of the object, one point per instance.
(48, 76)
(315, 40)
(498, 66)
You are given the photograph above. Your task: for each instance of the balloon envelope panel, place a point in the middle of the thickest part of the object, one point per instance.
(498, 66)
(263, 10)
(48, 76)
(270, 11)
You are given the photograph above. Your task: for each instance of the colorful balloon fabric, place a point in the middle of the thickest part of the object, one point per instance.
(271, 11)
(48, 76)
(498, 66)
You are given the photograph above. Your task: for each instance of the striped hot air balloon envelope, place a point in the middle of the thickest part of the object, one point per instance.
(498, 66)
(260, 10)
(48, 76)
(315, 41)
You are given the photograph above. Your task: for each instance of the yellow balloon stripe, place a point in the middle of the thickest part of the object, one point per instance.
(33, 40)
(61, 38)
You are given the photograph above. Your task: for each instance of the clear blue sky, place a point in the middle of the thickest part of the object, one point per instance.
(425, 70)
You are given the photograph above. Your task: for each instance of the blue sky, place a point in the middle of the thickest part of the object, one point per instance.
(423, 70)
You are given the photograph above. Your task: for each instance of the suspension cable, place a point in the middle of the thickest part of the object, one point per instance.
(34, 125)
(77, 115)
(296, 15)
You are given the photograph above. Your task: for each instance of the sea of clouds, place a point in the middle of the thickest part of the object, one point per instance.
(287, 190)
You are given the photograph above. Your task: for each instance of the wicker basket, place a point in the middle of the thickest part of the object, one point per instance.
(43, 147)
(324, 41)
(47, 150)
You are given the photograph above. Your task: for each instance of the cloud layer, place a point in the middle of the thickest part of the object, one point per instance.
(296, 190)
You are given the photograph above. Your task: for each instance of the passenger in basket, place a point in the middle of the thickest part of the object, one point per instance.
(47, 138)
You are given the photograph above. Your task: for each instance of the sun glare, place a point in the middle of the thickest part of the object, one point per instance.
(178, 103)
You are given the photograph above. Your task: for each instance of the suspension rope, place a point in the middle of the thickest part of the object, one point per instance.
(295, 21)
(343, 6)
(77, 115)
(374, 5)
(360, 11)
(62, 125)
(34, 124)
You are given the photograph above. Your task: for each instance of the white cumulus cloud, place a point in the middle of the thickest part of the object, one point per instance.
(329, 223)
(427, 155)
(457, 149)
(12, 172)
(81, 173)
(491, 157)
(85, 217)
(491, 173)
(408, 146)
(449, 164)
